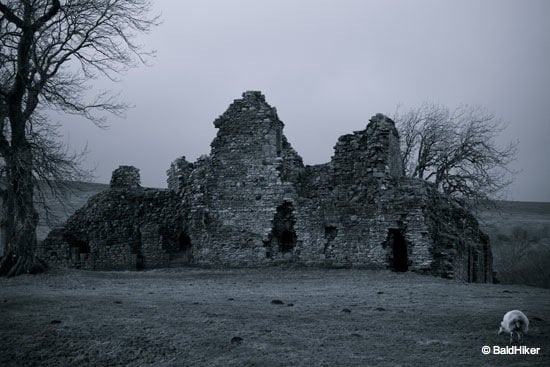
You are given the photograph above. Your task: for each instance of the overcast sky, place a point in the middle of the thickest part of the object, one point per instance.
(328, 66)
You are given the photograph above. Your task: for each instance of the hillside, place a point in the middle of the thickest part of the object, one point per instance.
(520, 241)
(509, 214)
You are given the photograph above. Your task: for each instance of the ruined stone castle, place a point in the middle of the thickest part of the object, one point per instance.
(252, 202)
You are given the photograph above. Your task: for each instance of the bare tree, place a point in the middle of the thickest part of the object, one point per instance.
(456, 150)
(50, 50)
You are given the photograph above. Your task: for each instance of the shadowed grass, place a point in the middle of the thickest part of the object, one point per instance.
(194, 317)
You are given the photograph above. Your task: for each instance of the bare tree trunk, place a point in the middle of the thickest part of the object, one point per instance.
(21, 218)
(39, 39)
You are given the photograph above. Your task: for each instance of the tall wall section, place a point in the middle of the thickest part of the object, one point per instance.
(234, 194)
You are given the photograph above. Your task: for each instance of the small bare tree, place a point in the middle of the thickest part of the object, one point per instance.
(50, 50)
(456, 150)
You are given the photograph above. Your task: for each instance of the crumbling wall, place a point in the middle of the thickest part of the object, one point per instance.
(178, 173)
(126, 177)
(383, 150)
(370, 153)
(252, 202)
(237, 189)
(125, 227)
(459, 248)
(353, 196)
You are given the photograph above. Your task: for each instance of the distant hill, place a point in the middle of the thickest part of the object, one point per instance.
(510, 214)
(520, 241)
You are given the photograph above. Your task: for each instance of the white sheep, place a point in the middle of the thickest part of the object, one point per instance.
(514, 322)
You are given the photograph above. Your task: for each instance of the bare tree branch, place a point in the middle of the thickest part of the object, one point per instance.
(456, 150)
(50, 52)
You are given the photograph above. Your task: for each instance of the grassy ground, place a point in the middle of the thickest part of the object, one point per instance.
(203, 317)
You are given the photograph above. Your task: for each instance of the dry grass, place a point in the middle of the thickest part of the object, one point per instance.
(202, 317)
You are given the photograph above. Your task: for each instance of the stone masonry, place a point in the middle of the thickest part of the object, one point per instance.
(125, 227)
(252, 202)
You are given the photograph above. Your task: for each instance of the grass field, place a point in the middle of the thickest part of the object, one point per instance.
(261, 317)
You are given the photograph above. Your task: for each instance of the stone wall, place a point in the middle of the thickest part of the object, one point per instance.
(252, 202)
(460, 249)
(240, 185)
(125, 227)
(126, 177)
(177, 174)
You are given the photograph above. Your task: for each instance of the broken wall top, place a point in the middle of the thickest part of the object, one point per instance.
(251, 109)
(125, 177)
(250, 133)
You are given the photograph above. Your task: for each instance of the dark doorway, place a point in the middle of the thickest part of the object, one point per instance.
(330, 233)
(79, 250)
(287, 240)
(399, 259)
(184, 242)
(178, 245)
(185, 248)
(140, 262)
(283, 237)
